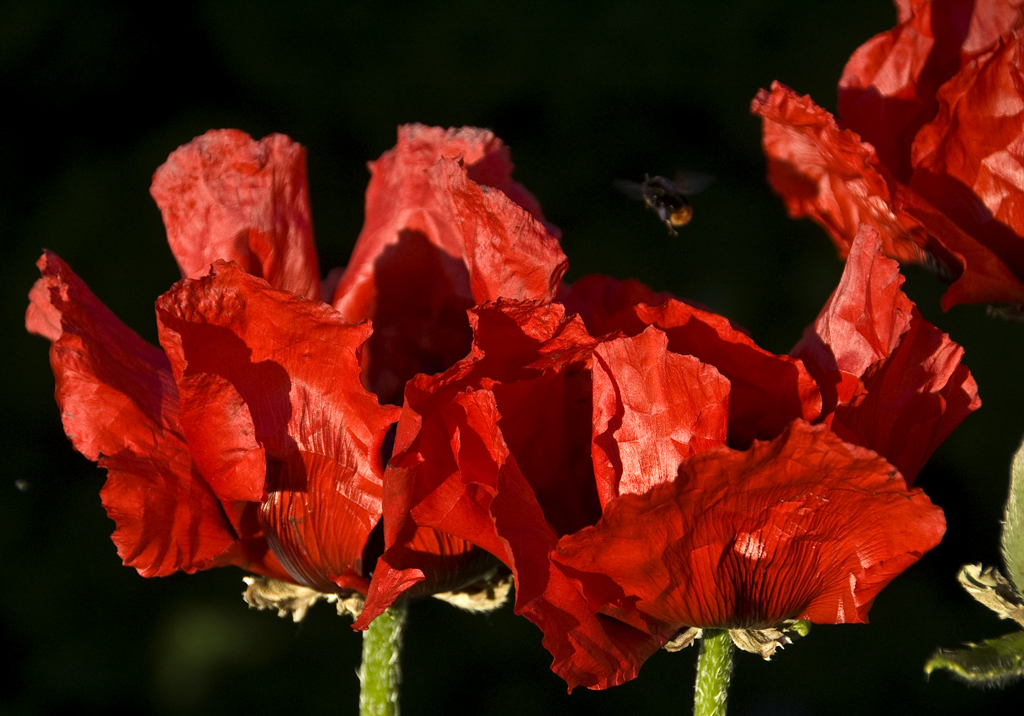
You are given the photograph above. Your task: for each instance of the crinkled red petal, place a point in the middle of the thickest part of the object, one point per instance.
(828, 174)
(270, 381)
(768, 391)
(894, 382)
(226, 196)
(119, 406)
(445, 228)
(652, 409)
(480, 454)
(968, 160)
(805, 526)
(887, 91)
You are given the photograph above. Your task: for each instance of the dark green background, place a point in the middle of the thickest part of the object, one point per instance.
(96, 95)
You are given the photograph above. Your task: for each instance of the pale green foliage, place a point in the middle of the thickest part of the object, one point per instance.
(993, 662)
(1013, 524)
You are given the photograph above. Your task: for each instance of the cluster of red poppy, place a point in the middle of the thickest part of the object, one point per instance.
(636, 464)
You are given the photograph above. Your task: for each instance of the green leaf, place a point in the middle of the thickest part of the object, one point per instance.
(1013, 524)
(993, 662)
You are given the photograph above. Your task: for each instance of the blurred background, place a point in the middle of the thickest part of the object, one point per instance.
(97, 95)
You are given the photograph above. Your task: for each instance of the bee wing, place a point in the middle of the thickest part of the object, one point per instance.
(691, 183)
(630, 188)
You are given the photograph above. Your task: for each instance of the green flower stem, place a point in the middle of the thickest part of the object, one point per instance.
(714, 667)
(380, 673)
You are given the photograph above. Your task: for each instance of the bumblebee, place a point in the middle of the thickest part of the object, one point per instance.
(667, 198)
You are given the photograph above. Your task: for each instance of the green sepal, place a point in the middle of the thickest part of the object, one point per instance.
(993, 662)
(1013, 525)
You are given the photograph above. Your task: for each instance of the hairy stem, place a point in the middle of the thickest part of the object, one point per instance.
(380, 673)
(714, 667)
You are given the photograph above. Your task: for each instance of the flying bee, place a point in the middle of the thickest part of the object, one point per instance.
(667, 198)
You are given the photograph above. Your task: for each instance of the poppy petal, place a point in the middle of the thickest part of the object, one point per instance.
(887, 90)
(416, 269)
(829, 174)
(968, 159)
(226, 196)
(119, 407)
(270, 378)
(895, 382)
(652, 408)
(804, 526)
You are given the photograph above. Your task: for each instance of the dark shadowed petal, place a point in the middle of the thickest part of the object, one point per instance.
(119, 406)
(601, 300)
(805, 526)
(226, 196)
(887, 91)
(968, 160)
(983, 277)
(269, 385)
(892, 381)
(445, 228)
(652, 408)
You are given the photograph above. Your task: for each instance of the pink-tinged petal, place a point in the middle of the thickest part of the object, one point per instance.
(119, 406)
(887, 91)
(894, 382)
(969, 159)
(830, 175)
(226, 196)
(652, 409)
(416, 269)
(269, 378)
(805, 526)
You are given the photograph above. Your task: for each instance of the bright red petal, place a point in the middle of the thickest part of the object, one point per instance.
(861, 323)
(269, 378)
(829, 174)
(652, 408)
(226, 196)
(894, 381)
(804, 526)
(446, 228)
(119, 406)
(968, 161)
(887, 91)
(768, 391)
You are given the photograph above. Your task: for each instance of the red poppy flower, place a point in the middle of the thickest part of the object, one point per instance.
(250, 438)
(930, 156)
(530, 446)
